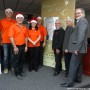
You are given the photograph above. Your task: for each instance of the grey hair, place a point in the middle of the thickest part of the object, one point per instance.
(58, 20)
(69, 19)
(82, 10)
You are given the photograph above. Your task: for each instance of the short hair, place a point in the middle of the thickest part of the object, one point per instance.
(69, 19)
(58, 21)
(8, 9)
(82, 10)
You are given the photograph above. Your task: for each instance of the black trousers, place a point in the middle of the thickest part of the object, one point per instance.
(18, 60)
(75, 68)
(67, 57)
(41, 51)
(33, 57)
(58, 66)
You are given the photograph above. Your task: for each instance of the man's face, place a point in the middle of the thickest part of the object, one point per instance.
(8, 14)
(57, 24)
(19, 20)
(39, 21)
(69, 23)
(78, 14)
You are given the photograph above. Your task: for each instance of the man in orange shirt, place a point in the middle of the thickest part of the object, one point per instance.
(42, 40)
(18, 36)
(5, 25)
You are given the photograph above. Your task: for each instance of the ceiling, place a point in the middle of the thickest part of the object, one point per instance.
(83, 3)
(34, 6)
(29, 6)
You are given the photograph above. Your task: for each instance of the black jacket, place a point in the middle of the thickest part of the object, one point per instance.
(68, 32)
(58, 38)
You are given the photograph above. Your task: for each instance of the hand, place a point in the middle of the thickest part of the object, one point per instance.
(34, 43)
(76, 52)
(57, 51)
(16, 50)
(44, 44)
(26, 49)
(66, 51)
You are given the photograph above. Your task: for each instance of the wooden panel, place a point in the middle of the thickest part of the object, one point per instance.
(86, 63)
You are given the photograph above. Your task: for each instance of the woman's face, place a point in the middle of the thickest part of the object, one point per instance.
(33, 24)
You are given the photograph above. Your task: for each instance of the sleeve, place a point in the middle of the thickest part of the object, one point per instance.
(11, 31)
(44, 31)
(26, 33)
(61, 39)
(39, 32)
(82, 28)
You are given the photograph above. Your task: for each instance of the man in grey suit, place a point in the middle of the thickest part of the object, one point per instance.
(77, 46)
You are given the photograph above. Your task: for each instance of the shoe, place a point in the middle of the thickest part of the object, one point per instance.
(77, 81)
(56, 73)
(19, 77)
(23, 74)
(66, 75)
(40, 66)
(30, 69)
(36, 70)
(66, 85)
(5, 71)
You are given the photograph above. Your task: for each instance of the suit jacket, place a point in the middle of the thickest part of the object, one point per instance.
(58, 38)
(78, 39)
(68, 32)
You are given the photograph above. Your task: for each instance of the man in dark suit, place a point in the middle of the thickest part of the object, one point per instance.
(57, 43)
(67, 54)
(77, 46)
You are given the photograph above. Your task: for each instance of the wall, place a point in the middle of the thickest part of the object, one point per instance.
(61, 8)
(55, 8)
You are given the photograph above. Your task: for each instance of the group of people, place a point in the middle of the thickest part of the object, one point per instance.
(71, 42)
(17, 39)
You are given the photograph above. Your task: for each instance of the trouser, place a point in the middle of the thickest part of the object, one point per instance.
(19, 59)
(67, 57)
(33, 60)
(41, 51)
(75, 68)
(58, 66)
(7, 49)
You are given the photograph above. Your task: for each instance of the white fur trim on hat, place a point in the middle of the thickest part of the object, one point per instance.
(8, 9)
(39, 18)
(34, 21)
(19, 15)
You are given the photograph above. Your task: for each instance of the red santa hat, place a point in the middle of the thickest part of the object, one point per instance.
(32, 20)
(19, 15)
(39, 18)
